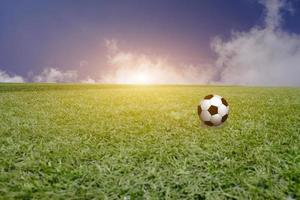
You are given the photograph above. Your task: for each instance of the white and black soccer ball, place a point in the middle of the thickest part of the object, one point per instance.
(213, 110)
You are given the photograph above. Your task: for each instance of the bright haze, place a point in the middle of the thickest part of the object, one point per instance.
(240, 42)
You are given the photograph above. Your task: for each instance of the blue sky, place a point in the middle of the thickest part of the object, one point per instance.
(63, 34)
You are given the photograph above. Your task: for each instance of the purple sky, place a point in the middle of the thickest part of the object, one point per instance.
(70, 35)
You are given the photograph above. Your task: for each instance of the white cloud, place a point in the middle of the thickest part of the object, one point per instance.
(112, 45)
(53, 75)
(6, 78)
(88, 80)
(273, 10)
(130, 67)
(262, 56)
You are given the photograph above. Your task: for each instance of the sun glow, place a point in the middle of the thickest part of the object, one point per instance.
(141, 78)
(126, 67)
(133, 77)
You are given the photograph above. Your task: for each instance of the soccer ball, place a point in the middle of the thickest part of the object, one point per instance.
(213, 110)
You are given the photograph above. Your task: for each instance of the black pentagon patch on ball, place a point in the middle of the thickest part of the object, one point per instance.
(224, 102)
(208, 123)
(209, 96)
(199, 110)
(224, 118)
(213, 110)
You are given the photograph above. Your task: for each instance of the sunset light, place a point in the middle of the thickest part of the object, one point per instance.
(141, 78)
(135, 77)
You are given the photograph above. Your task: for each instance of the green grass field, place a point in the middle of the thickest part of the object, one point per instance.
(146, 142)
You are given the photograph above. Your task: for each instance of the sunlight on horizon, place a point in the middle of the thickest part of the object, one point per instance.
(133, 77)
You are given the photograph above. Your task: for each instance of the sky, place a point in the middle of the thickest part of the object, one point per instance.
(242, 42)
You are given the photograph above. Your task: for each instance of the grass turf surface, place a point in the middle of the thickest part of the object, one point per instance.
(139, 142)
